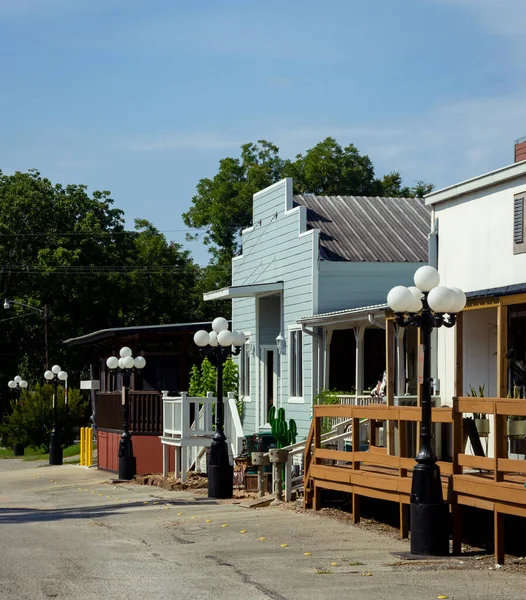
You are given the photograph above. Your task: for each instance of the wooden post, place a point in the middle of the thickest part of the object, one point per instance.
(502, 345)
(498, 535)
(458, 448)
(459, 355)
(499, 441)
(355, 441)
(355, 508)
(390, 381)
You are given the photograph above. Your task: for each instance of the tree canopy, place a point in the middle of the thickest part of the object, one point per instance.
(71, 251)
(222, 205)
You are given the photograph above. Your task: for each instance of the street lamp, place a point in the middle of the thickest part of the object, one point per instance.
(43, 312)
(126, 365)
(427, 305)
(18, 384)
(220, 341)
(55, 376)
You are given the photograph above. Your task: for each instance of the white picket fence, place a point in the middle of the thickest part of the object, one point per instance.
(188, 429)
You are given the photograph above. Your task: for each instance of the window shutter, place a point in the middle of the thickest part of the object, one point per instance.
(518, 220)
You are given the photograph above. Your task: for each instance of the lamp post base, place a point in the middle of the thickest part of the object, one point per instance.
(430, 529)
(55, 448)
(429, 514)
(127, 467)
(18, 450)
(220, 472)
(127, 462)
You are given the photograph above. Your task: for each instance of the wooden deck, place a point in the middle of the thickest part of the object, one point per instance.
(490, 483)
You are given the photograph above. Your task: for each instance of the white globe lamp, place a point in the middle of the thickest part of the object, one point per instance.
(125, 351)
(225, 337)
(400, 299)
(426, 278)
(201, 338)
(140, 362)
(441, 299)
(213, 339)
(56, 369)
(416, 305)
(48, 375)
(459, 301)
(112, 362)
(219, 324)
(62, 375)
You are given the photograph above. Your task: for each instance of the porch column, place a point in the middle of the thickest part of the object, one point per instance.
(400, 361)
(359, 334)
(502, 344)
(327, 357)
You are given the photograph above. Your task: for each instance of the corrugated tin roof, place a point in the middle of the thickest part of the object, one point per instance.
(347, 312)
(368, 229)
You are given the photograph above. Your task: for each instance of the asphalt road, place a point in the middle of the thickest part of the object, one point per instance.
(67, 533)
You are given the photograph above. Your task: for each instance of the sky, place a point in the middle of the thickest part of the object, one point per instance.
(144, 97)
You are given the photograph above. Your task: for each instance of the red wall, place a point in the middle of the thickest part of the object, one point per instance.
(147, 449)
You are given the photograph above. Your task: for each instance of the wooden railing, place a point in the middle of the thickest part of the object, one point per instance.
(498, 412)
(145, 411)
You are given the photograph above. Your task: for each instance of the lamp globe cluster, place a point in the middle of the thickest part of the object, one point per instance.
(56, 371)
(440, 299)
(126, 360)
(219, 336)
(17, 381)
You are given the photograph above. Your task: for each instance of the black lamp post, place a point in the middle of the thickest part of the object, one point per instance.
(426, 306)
(18, 384)
(45, 315)
(55, 376)
(126, 365)
(220, 342)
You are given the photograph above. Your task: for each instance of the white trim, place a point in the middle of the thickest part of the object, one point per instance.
(262, 407)
(477, 183)
(247, 344)
(286, 181)
(257, 422)
(296, 400)
(244, 291)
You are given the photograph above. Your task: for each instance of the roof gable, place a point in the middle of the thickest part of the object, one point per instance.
(369, 229)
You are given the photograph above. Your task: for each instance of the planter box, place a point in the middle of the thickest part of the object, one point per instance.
(251, 483)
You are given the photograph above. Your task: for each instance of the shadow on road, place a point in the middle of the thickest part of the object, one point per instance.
(35, 515)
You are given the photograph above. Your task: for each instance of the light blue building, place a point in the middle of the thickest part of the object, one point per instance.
(307, 255)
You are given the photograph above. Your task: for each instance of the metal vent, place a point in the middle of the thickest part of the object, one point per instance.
(518, 220)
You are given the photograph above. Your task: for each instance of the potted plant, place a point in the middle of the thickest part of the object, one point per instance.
(516, 425)
(481, 419)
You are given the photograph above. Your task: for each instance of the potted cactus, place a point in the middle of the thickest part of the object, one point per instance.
(481, 420)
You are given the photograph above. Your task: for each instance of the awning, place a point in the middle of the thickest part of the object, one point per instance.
(350, 315)
(245, 291)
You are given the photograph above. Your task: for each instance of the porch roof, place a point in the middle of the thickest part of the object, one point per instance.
(345, 316)
(505, 290)
(244, 291)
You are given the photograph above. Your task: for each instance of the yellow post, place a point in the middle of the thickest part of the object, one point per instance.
(82, 446)
(89, 433)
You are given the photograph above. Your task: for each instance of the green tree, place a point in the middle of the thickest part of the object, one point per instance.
(208, 377)
(65, 248)
(31, 419)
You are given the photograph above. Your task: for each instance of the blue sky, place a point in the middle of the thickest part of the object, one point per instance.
(143, 97)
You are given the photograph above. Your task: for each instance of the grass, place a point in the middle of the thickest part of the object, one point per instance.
(35, 454)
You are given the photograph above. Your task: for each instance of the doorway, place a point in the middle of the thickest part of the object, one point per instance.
(269, 381)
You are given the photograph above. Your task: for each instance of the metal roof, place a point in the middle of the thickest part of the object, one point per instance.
(342, 315)
(369, 229)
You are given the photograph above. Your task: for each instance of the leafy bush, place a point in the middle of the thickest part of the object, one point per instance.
(329, 397)
(31, 419)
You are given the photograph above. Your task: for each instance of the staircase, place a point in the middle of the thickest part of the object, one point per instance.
(188, 429)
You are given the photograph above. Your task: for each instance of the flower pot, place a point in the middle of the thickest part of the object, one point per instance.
(482, 426)
(18, 450)
(516, 429)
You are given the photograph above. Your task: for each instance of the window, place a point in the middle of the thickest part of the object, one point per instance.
(519, 243)
(244, 379)
(296, 364)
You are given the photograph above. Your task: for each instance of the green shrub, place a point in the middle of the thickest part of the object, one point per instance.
(31, 419)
